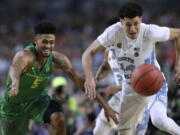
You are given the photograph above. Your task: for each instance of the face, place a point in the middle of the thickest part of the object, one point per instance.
(132, 26)
(45, 44)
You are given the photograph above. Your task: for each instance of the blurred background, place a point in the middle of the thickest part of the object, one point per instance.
(79, 22)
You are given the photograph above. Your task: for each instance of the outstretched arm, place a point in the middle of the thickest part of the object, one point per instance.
(62, 62)
(90, 84)
(175, 35)
(20, 62)
(111, 90)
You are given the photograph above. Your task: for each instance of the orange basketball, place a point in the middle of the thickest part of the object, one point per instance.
(146, 80)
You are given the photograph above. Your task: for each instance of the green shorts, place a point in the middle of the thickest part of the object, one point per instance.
(15, 117)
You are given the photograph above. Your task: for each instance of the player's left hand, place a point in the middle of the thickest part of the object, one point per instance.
(110, 113)
(90, 86)
(14, 89)
(177, 75)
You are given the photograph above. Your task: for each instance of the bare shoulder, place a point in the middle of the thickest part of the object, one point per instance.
(24, 55)
(57, 54)
(23, 60)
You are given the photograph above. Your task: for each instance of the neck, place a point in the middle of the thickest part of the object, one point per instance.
(41, 60)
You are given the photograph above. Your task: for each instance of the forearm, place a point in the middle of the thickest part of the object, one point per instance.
(15, 73)
(87, 65)
(101, 101)
(114, 89)
(15, 77)
(76, 78)
(79, 81)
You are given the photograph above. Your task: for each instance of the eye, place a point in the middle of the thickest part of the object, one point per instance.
(44, 41)
(136, 23)
(51, 42)
(128, 25)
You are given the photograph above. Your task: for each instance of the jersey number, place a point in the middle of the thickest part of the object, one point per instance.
(36, 82)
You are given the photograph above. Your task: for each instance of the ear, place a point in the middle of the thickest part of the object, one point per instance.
(36, 39)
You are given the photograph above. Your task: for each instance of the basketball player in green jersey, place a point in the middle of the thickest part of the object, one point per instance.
(26, 97)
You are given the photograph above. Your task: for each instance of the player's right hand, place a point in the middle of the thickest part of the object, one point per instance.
(90, 90)
(110, 113)
(14, 90)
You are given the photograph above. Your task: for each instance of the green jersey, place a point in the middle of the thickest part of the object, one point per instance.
(33, 81)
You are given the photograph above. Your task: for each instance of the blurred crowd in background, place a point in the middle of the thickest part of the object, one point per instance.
(79, 22)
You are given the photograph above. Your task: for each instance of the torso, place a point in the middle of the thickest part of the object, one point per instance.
(33, 81)
(129, 54)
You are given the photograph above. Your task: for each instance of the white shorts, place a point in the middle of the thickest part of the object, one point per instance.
(134, 113)
(103, 127)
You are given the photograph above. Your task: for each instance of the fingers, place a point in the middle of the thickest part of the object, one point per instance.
(115, 118)
(12, 93)
(107, 116)
(90, 90)
(113, 115)
(93, 94)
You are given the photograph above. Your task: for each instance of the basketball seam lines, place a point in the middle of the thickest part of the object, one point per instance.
(151, 83)
(143, 75)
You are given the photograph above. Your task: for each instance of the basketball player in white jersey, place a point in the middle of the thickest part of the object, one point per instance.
(158, 110)
(134, 44)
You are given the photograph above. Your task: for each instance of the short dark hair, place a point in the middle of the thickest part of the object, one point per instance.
(130, 10)
(45, 28)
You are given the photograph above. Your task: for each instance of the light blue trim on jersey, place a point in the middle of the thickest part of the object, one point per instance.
(141, 128)
(112, 48)
(151, 59)
(162, 96)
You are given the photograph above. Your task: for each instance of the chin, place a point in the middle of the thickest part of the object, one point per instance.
(46, 55)
(133, 37)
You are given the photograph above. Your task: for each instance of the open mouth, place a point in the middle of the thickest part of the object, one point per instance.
(133, 34)
(46, 50)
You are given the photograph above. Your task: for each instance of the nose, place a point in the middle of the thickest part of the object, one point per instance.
(48, 45)
(132, 28)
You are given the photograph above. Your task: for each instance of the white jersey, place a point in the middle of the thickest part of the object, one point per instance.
(123, 57)
(127, 54)
(114, 65)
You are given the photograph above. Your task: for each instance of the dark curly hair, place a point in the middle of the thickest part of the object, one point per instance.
(130, 10)
(45, 28)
